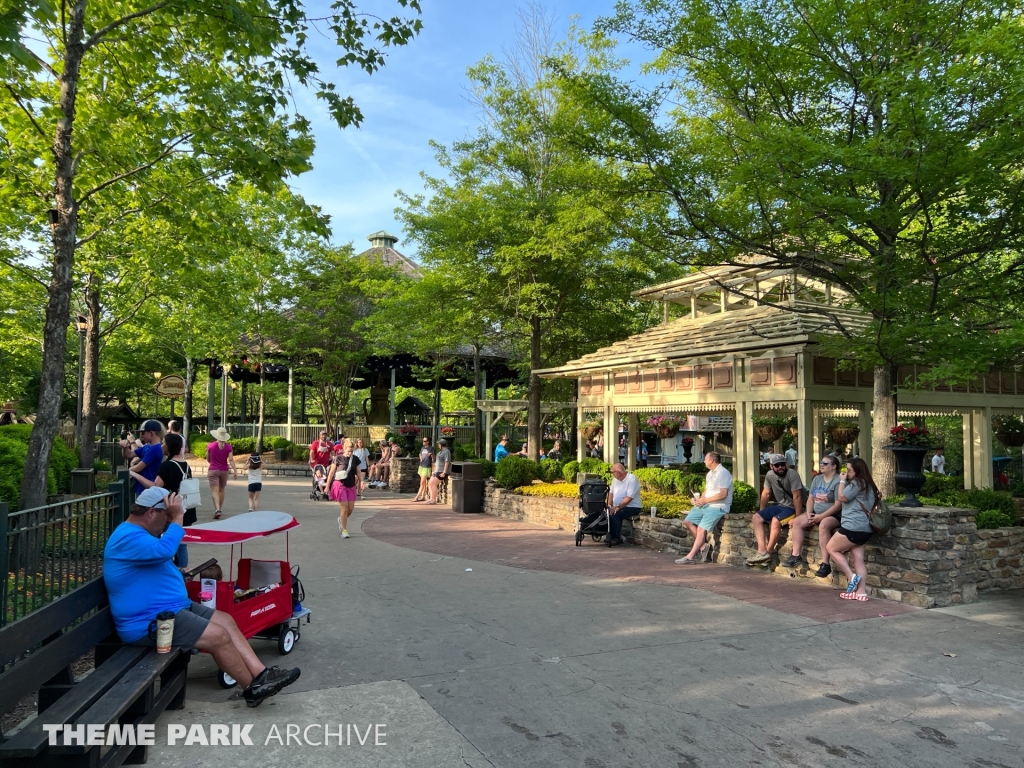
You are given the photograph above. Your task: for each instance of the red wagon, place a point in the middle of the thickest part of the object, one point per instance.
(260, 598)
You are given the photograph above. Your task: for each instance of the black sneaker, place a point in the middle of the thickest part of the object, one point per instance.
(823, 570)
(792, 561)
(267, 683)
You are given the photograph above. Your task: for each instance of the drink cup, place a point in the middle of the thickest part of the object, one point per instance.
(164, 631)
(654, 511)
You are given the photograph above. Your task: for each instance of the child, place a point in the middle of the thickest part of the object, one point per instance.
(255, 481)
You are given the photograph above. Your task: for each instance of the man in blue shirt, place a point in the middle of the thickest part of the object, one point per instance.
(501, 451)
(150, 454)
(141, 581)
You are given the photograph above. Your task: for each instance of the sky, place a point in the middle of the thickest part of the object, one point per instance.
(420, 95)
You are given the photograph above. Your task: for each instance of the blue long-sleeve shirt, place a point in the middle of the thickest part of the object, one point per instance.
(141, 578)
(500, 452)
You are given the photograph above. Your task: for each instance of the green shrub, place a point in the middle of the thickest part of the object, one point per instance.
(993, 518)
(299, 452)
(275, 442)
(687, 484)
(488, 467)
(13, 451)
(12, 466)
(550, 470)
(647, 477)
(197, 443)
(101, 466)
(514, 471)
(669, 505)
(596, 467)
(697, 468)
(459, 453)
(1017, 489)
(559, 490)
(569, 470)
(62, 461)
(985, 499)
(934, 484)
(745, 498)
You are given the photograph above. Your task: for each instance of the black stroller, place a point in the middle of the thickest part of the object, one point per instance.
(319, 490)
(593, 517)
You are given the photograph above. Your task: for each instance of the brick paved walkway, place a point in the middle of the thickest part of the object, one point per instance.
(523, 545)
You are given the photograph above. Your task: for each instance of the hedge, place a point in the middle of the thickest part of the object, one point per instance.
(488, 467)
(993, 518)
(934, 484)
(13, 450)
(514, 471)
(550, 470)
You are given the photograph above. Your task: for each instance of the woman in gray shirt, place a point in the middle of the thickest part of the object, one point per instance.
(859, 495)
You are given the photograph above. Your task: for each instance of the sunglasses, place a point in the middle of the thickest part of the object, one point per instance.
(826, 464)
(778, 465)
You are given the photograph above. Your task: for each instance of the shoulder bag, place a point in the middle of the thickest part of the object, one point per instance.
(880, 517)
(188, 490)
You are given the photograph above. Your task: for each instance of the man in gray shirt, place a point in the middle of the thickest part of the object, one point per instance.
(782, 484)
(442, 466)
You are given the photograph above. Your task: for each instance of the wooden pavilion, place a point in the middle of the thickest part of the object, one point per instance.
(748, 343)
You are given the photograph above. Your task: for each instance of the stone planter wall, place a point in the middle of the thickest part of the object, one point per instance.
(404, 477)
(557, 513)
(1000, 558)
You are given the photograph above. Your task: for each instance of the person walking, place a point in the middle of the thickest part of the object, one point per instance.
(218, 455)
(344, 479)
(169, 475)
(364, 459)
(822, 510)
(858, 495)
(255, 472)
(320, 451)
(426, 461)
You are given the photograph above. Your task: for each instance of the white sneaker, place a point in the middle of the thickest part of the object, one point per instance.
(344, 534)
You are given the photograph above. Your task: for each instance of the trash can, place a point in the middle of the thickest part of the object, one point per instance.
(83, 482)
(467, 486)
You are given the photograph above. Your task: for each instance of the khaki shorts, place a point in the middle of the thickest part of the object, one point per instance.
(218, 478)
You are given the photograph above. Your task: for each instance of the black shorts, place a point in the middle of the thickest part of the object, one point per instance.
(857, 537)
(438, 475)
(189, 625)
(255, 487)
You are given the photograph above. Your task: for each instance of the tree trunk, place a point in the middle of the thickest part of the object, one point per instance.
(478, 421)
(186, 403)
(58, 304)
(435, 428)
(534, 427)
(263, 402)
(90, 374)
(883, 420)
(574, 422)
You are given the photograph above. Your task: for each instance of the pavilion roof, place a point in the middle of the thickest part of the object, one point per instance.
(748, 330)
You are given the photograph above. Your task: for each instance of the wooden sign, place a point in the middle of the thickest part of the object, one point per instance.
(172, 386)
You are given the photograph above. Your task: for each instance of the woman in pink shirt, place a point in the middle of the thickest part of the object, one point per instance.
(217, 455)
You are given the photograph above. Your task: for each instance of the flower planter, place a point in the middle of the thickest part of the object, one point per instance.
(590, 433)
(843, 436)
(687, 451)
(769, 433)
(1011, 439)
(410, 444)
(909, 476)
(666, 433)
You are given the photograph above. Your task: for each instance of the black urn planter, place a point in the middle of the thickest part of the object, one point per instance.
(687, 452)
(909, 476)
(410, 444)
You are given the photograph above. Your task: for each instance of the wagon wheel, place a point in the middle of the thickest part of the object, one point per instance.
(286, 640)
(224, 680)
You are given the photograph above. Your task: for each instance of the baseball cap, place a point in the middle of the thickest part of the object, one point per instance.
(154, 496)
(776, 458)
(443, 442)
(151, 425)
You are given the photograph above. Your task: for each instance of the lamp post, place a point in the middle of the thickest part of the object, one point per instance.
(156, 395)
(82, 325)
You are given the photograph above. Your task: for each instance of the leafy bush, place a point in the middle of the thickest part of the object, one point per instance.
(298, 452)
(197, 443)
(669, 506)
(1017, 489)
(101, 466)
(596, 467)
(745, 498)
(569, 470)
(550, 470)
(993, 518)
(459, 453)
(978, 499)
(687, 484)
(514, 471)
(697, 468)
(488, 466)
(934, 484)
(13, 450)
(274, 442)
(561, 490)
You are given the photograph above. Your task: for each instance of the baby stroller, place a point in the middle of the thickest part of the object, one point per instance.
(319, 491)
(593, 517)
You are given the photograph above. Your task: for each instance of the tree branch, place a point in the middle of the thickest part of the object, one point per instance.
(167, 150)
(102, 32)
(25, 110)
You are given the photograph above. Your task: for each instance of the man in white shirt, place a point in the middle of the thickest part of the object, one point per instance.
(623, 502)
(939, 461)
(708, 508)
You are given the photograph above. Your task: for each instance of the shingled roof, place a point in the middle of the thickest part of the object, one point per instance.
(383, 250)
(742, 330)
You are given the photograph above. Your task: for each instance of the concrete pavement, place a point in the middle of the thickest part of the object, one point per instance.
(521, 666)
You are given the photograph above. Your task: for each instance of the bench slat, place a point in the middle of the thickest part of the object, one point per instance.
(32, 738)
(116, 701)
(27, 631)
(28, 675)
(117, 755)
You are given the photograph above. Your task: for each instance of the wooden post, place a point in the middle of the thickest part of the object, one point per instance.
(611, 435)
(632, 441)
(580, 445)
(291, 398)
(817, 449)
(968, 443)
(804, 449)
(983, 475)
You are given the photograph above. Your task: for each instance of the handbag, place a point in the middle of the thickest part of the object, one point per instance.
(189, 490)
(880, 517)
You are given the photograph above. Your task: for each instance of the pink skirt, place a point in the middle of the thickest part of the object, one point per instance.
(341, 493)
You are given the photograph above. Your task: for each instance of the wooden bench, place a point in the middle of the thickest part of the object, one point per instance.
(129, 685)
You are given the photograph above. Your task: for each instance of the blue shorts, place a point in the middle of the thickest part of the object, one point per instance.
(782, 514)
(707, 516)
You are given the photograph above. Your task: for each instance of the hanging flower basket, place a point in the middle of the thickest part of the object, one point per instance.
(663, 426)
(770, 432)
(590, 431)
(1011, 439)
(843, 436)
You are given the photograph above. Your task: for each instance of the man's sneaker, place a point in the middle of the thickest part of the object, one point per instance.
(705, 550)
(793, 561)
(269, 682)
(823, 570)
(344, 533)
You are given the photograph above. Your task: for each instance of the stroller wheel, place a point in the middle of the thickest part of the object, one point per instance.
(579, 539)
(597, 538)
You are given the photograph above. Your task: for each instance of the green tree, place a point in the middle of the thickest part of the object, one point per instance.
(121, 87)
(873, 146)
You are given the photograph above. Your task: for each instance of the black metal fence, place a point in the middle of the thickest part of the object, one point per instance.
(48, 551)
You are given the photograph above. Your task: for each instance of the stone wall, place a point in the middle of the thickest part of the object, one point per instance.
(557, 513)
(1000, 558)
(404, 477)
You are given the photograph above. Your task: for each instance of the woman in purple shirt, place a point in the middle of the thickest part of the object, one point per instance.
(217, 455)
